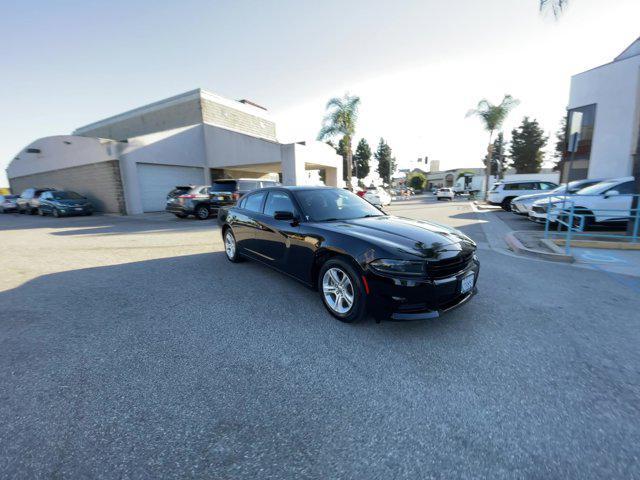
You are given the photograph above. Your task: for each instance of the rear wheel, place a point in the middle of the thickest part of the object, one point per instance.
(342, 291)
(56, 213)
(202, 212)
(40, 212)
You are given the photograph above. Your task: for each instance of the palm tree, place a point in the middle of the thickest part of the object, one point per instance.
(341, 118)
(492, 116)
(556, 6)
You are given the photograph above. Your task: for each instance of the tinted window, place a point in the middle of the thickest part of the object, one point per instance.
(334, 204)
(625, 188)
(254, 201)
(278, 202)
(248, 185)
(45, 196)
(224, 186)
(547, 186)
(520, 186)
(65, 196)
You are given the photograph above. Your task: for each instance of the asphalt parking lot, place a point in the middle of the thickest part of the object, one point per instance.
(131, 348)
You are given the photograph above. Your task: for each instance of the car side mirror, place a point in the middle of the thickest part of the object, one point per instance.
(612, 193)
(281, 215)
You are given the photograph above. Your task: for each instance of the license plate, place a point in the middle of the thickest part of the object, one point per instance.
(78, 208)
(467, 283)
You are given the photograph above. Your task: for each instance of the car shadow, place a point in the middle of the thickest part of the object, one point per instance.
(101, 224)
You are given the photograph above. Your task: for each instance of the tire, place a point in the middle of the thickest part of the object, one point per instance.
(332, 274)
(506, 204)
(56, 213)
(588, 221)
(88, 214)
(231, 247)
(202, 212)
(181, 215)
(40, 212)
(31, 211)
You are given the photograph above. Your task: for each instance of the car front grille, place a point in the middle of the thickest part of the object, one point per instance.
(450, 266)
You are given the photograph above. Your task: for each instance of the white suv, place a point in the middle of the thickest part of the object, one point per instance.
(503, 192)
(606, 202)
(445, 193)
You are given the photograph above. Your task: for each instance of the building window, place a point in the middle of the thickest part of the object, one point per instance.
(580, 127)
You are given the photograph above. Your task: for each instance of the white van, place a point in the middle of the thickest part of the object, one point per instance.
(503, 192)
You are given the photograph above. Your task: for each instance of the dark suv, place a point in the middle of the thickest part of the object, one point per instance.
(203, 201)
(29, 200)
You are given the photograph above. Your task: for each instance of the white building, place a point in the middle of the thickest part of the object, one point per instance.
(129, 162)
(604, 110)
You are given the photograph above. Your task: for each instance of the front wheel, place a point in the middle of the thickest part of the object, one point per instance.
(506, 204)
(56, 213)
(342, 291)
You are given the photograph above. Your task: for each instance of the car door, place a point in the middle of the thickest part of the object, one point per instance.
(245, 222)
(45, 202)
(274, 236)
(616, 207)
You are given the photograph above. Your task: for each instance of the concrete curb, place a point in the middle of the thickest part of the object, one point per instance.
(517, 246)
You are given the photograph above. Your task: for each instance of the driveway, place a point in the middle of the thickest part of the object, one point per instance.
(131, 348)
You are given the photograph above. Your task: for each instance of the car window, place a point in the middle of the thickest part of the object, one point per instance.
(63, 195)
(45, 196)
(224, 186)
(546, 186)
(278, 201)
(625, 188)
(28, 193)
(334, 204)
(248, 185)
(598, 188)
(253, 202)
(268, 183)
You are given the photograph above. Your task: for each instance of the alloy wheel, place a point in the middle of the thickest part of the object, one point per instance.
(230, 245)
(338, 290)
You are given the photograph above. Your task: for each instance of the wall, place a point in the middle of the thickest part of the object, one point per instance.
(217, 114)
(61, 151)
(225, 148)
(615, 89)
(181, 146)
(171, 116)
(99, 182)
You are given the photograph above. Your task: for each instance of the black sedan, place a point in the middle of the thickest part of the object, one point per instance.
(359, 258)
(61, 203)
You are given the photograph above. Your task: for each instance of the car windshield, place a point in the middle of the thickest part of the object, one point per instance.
(66, 196)
(334, 204)
(597, 188)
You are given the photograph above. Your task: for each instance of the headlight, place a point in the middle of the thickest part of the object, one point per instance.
(398, 267)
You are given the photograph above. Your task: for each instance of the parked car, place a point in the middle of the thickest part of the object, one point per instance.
(503, 192)
(202, 201)
(359, 258)
(522, 205)
(63, 203)
(8, 203)
(445, 193)
(28, 202)
(377, 196)
(605, 203)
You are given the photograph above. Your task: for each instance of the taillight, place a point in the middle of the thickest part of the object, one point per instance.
(236, 196)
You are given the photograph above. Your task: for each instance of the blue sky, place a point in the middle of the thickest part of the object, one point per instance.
(418, 64)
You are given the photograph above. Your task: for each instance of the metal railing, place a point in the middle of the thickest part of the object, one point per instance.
(570, 217)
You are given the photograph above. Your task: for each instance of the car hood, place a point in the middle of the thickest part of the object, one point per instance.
(416, 237)
(532, 197)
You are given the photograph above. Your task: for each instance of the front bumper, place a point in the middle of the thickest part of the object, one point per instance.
(419, 299)
(519, 208)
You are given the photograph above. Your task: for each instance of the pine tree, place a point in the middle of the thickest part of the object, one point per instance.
(361, 159)
(386, 163)
(499, 159)
(561, 144)
(527, 142)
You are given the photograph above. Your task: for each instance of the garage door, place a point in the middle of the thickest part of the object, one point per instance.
(156, 181)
